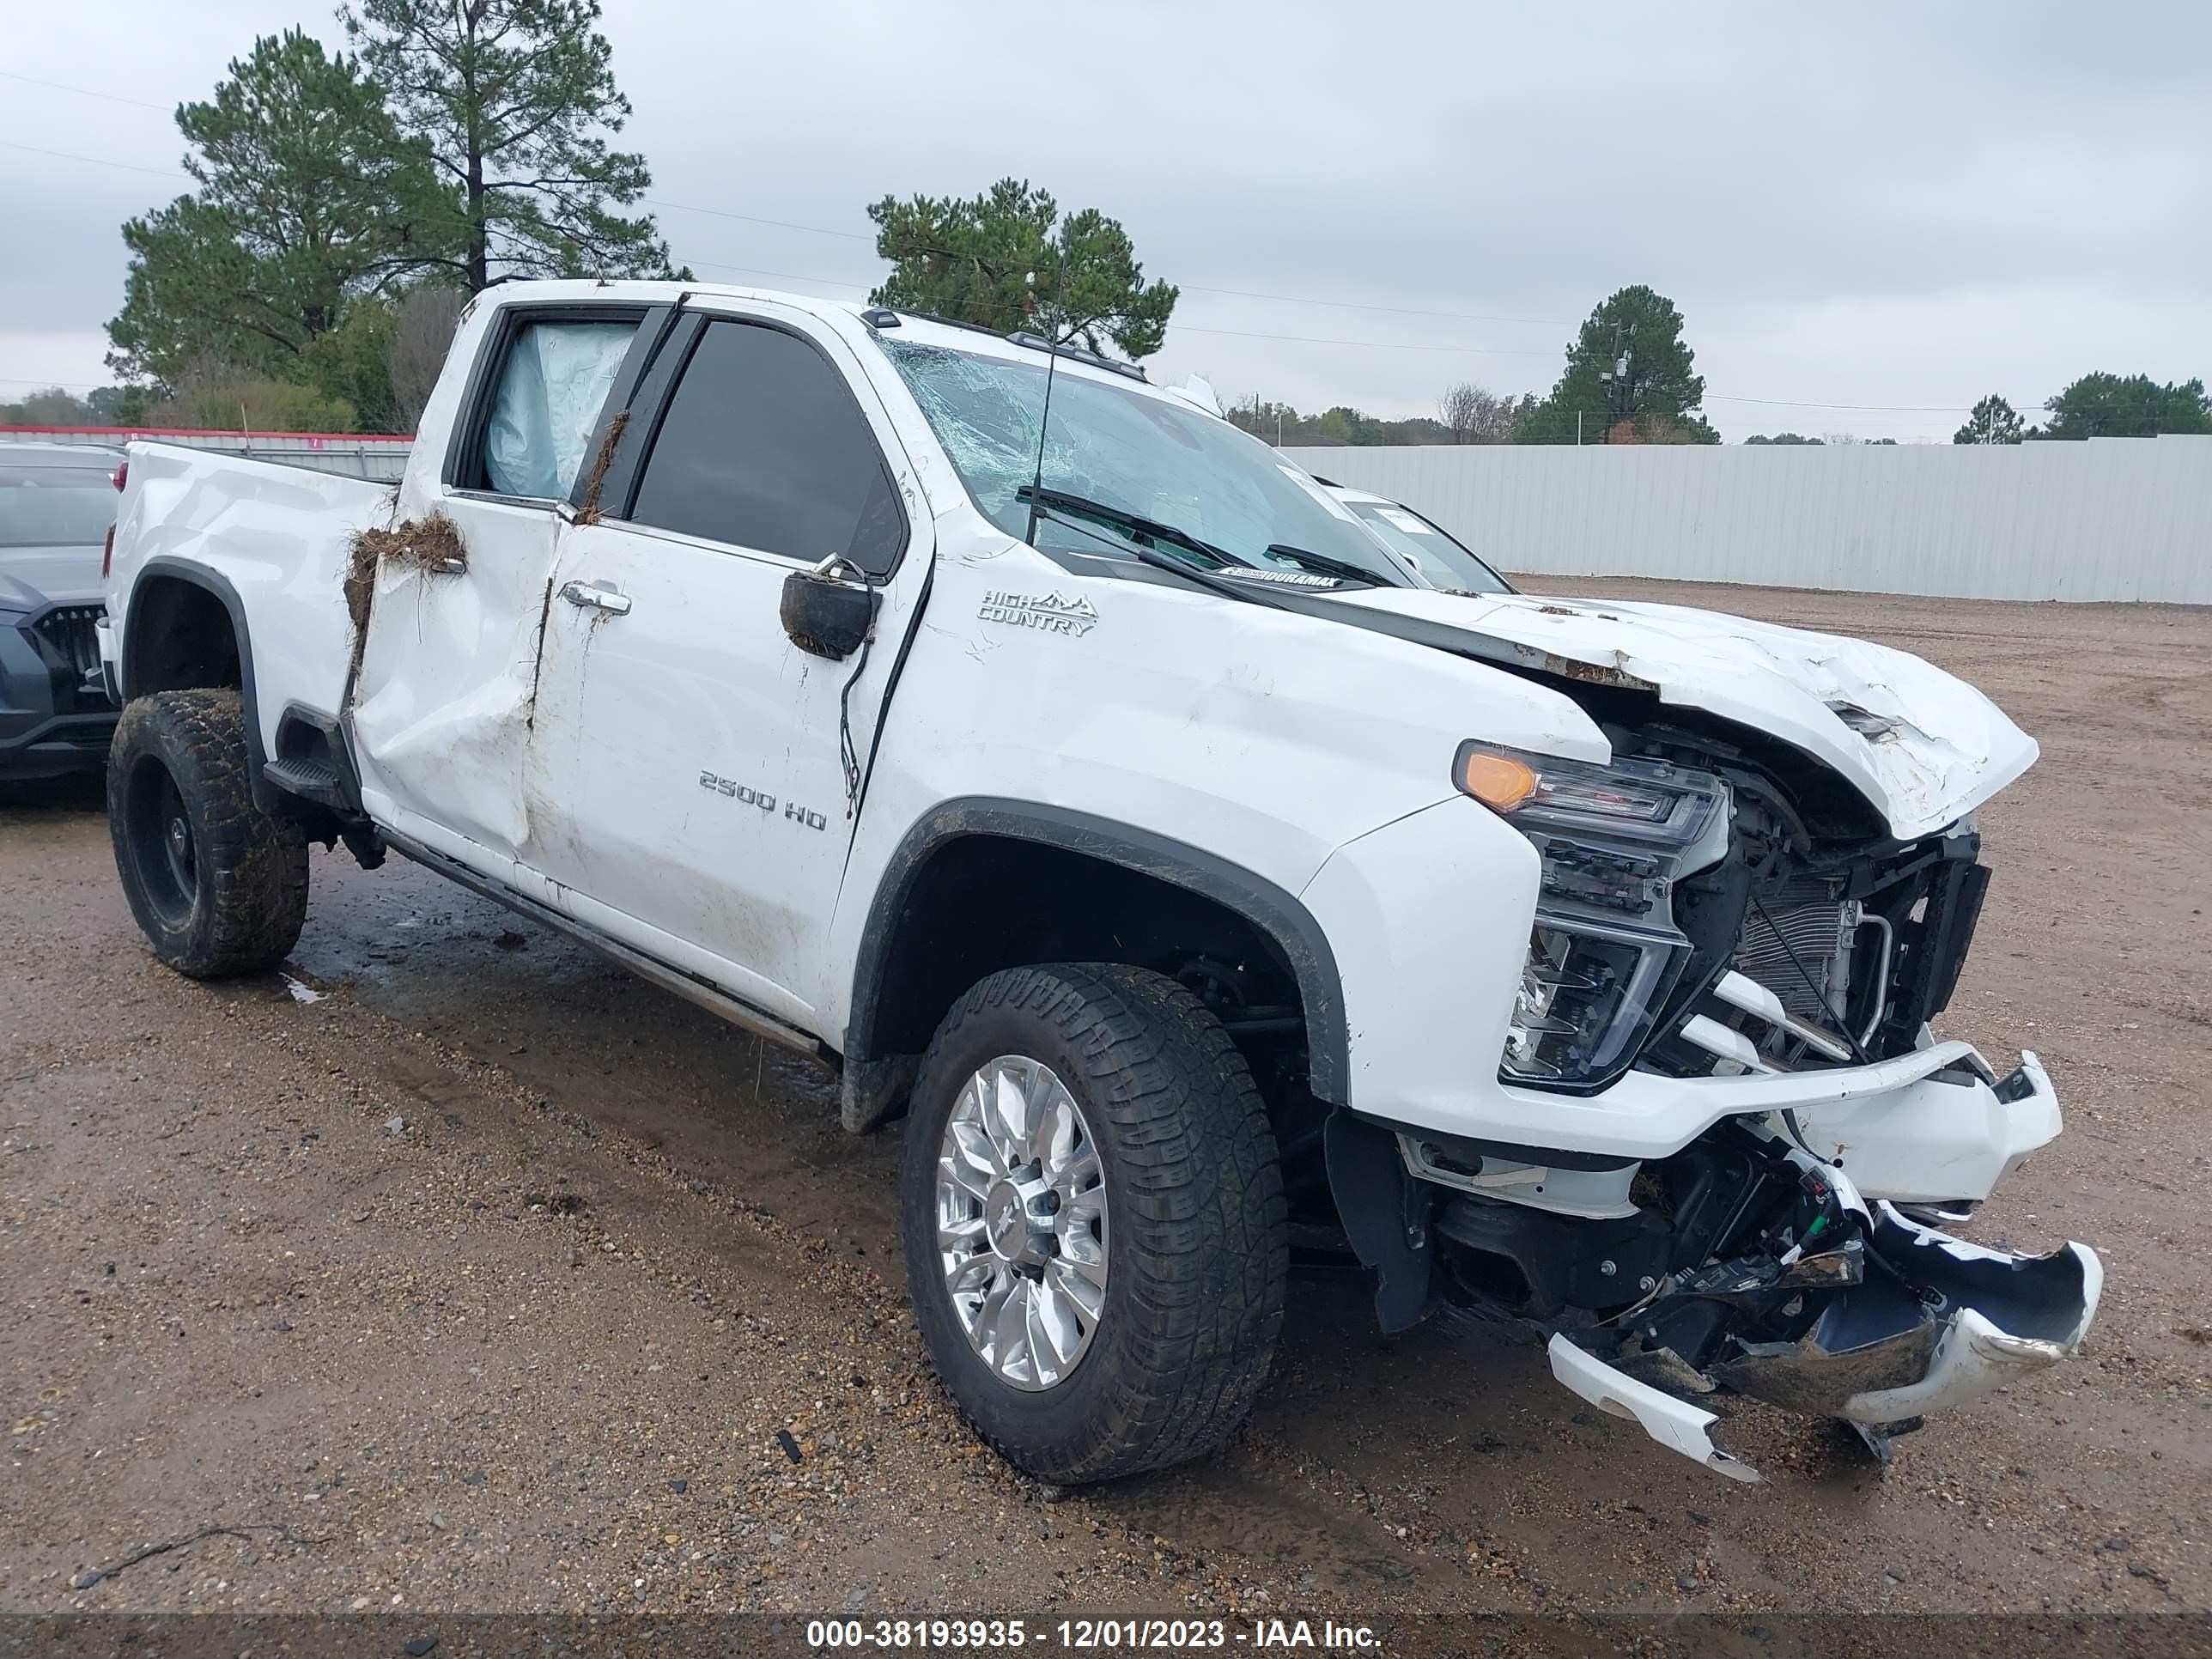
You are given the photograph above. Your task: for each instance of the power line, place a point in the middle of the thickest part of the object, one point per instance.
(64, 155)
(1879, 409)
(1373, 345)
(1196, 287)
(866, 236)
(56, 86)
(1398, 311)
(754, 219)
(786, 276)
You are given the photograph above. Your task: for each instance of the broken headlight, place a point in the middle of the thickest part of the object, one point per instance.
(1605, 952)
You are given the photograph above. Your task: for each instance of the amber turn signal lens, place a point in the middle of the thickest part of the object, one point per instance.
(1498, 781)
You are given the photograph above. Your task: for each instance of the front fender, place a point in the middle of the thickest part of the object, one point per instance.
(1429, 917)
(1303, 941)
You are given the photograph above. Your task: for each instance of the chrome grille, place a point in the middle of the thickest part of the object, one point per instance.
(1806, 915)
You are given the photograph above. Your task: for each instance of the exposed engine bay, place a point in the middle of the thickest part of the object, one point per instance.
(1704, 915)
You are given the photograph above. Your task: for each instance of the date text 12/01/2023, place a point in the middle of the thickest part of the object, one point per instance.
(1085, 1634)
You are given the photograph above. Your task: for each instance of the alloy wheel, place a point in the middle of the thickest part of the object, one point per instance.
(1021, 1222)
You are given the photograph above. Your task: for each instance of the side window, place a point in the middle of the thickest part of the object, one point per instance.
(762, 446)
(545, 404)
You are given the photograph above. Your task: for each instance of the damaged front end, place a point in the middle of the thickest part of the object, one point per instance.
(1741, 1264)
(1709, 930)
(1874, 1318)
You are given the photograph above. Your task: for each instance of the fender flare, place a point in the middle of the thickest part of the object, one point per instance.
(1273, 911)
(165, 565)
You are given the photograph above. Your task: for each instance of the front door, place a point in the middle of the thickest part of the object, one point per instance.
(696, 774)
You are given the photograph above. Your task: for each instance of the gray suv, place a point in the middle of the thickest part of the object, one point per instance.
(57, 506)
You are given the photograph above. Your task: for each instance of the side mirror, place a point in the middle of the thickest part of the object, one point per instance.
(826, 617)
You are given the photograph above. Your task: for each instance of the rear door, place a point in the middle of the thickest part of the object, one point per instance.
(442, 701)
(697, 773)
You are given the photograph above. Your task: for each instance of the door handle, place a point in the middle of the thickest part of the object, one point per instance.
(596, 596)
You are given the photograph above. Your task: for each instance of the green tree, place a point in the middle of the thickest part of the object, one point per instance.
(2109, 406)
(1782, 438)
(1006, 260)
(1351, 426)
(350, 364)
(1993, 421)
(308, 195)
(116, 405)
(222, 397)
(51, 406)
(1627, 368)
(514, 99)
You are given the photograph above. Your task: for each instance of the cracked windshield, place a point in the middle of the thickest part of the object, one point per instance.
(1132, 454)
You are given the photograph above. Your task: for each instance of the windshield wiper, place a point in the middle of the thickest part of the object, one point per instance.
(1326, 565)
(1122, 518)
(1158, 561)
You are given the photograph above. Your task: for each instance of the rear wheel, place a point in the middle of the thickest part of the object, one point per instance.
(1093, 1220)
(217, 885)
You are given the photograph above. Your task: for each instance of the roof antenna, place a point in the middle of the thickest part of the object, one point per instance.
(1044, 425)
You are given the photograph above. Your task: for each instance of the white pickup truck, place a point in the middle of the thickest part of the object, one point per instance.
(1149, 825)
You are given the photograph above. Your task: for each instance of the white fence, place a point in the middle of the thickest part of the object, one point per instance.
(2113, 519)
(2119, 519)
(356, 455)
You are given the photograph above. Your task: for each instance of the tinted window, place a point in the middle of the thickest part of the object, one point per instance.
(547, 405)
(763, 446)
(56, 506)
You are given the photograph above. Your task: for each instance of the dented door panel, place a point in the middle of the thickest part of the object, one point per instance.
(445, 697)
(444, 701)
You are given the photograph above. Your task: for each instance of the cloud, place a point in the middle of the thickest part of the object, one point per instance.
(1886, 203)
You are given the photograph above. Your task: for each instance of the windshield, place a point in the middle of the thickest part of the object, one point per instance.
(56, 506)
(1139, 455)
(1432, 556)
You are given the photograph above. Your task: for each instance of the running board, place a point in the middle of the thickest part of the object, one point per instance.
(690, 986)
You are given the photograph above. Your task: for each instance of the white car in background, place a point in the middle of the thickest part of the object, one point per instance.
(1431, 555)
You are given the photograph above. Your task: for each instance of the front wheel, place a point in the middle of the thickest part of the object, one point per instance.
(218, 885)
(1093, 1220)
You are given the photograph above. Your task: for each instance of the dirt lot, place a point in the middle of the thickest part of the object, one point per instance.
(456, 1271)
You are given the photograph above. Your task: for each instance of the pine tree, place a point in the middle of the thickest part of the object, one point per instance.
(515, 100)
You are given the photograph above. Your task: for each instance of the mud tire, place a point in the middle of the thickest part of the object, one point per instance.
(1197, 1247)
(218, 887)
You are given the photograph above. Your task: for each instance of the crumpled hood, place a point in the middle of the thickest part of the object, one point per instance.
(1923, 745)
(32, 577)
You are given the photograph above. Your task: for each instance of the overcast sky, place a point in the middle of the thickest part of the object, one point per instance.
(1898, 205)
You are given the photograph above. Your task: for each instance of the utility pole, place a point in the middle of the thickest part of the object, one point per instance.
(1619, 395)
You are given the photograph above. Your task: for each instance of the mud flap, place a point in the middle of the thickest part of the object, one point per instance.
(1385, 1215)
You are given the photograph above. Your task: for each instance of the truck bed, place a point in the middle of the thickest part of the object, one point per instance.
(277, 537)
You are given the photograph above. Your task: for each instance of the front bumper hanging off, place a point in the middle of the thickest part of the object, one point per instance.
(1932, 1323)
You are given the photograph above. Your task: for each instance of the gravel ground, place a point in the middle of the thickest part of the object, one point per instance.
(453, 1270)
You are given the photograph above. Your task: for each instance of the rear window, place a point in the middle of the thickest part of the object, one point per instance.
(534, 418)
(56, 506)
